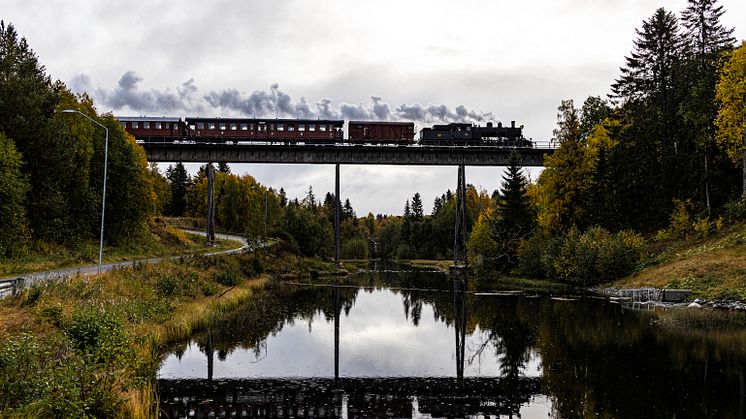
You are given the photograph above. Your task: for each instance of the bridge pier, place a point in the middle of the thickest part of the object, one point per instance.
(459, 245)
(337, 210)
(210, 203)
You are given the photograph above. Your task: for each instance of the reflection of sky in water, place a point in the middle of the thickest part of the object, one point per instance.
(376, 340)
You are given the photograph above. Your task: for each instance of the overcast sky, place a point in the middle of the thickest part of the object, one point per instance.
(425, 60)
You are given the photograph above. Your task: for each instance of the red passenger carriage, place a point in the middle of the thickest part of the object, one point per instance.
(153, 129)
(288, 131)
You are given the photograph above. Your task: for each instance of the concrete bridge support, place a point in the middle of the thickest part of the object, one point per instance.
(337, 217)
(459, 245)
(210, 203)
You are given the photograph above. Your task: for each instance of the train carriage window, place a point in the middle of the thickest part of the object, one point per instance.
(312, 127)
(211, 125)
(251, 127)
(123, 124)
(280, 127)
(135, 124)
(158, 125)
(291, 127)
(322, 127)
(244, 127)
(262, 127)
(200, 125)
(301, 127)
(167, 125)
(234, 126)
(271, 127)
(222, 126)
(146, 125)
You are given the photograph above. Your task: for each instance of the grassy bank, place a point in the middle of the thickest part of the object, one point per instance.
(162, 240)
(91, 345)
(713, 268)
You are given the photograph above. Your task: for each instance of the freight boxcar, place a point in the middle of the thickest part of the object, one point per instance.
(367, 132)
(287, 131)
(153, 129)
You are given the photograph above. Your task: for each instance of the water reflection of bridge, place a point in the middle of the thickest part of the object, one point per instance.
(346, 397)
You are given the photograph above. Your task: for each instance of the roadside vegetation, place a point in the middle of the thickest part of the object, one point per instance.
(90, 346)
(162, 240)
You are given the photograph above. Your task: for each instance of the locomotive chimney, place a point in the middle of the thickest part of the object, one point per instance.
(489, 125)
(512, 124)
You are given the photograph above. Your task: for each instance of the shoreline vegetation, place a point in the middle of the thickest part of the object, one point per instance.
(96, 341)
(90, 346)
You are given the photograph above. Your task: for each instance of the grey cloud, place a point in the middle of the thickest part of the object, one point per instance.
(129, 80)
(186, 99)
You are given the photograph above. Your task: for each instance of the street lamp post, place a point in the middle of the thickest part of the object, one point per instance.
(103, 195)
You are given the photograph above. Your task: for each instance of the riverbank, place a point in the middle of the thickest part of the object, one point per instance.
(162, 240)
(713, 268)
(91, 345)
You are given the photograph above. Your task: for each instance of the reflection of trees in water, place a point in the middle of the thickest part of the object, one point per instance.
(600, 360)
(266, 314)
(596, 359)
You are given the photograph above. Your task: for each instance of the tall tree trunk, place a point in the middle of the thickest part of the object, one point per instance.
(707, 184)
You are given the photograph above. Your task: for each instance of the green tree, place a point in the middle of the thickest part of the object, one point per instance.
(417, 211)
(180, 181)
(129, 194)
(731, 117)
(161, 189)
(650, 68)
(14, 232)
(564, 183)
(223, 167)
(706, 38)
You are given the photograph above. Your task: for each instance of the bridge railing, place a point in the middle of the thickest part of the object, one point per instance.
(10, 286)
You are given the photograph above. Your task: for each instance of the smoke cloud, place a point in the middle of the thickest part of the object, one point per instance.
(187, 100)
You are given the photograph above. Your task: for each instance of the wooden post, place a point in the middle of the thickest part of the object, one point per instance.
(210, 204)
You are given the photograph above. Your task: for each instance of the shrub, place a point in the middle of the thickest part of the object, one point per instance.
(581, 258)
(100, 335)
(735, 210)
(229, 277)
(356, 248)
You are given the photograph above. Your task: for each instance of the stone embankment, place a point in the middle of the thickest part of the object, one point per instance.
(648, 298)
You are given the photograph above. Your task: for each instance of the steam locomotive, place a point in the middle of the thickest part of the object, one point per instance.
(318, 131)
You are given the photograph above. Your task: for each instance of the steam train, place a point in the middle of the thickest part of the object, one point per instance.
(318, 131)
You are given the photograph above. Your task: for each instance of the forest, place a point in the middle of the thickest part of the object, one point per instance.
(662, 156)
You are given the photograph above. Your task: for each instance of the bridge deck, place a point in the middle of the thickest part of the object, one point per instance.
(342, 154)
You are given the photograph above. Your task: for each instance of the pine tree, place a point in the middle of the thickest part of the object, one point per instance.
(417, 211)
(310, 199)
(649, 70)
(514, 207)
(283, 198)
(705, 35)
(223, 167)
(705, 38)
(406, 229)
(180, 181)
(348, 213)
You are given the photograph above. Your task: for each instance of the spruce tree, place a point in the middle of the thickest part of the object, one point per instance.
(514, 208)
(649, 70)
(417, 211)
(705, 38)
(180, 181)
(223, 167)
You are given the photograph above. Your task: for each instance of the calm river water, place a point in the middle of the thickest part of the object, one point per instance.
(404, 344)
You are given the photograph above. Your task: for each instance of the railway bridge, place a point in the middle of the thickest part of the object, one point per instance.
(339, 154)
